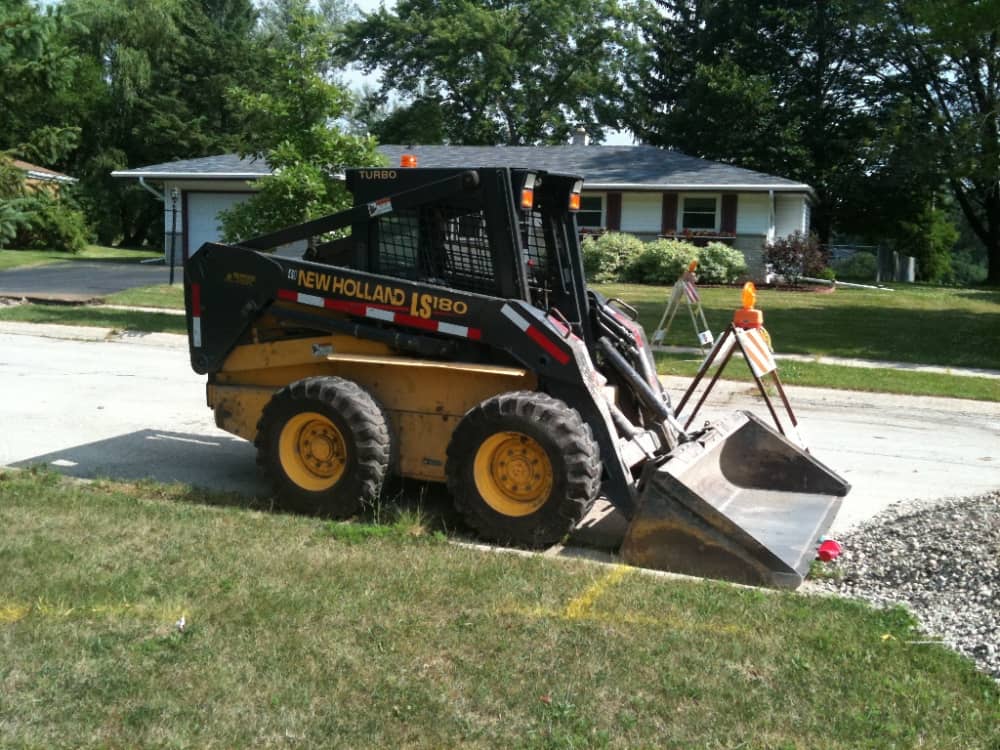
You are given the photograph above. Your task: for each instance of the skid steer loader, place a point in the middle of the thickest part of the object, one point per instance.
(450, 337)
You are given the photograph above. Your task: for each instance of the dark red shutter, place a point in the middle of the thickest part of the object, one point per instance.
(729, 213)
(668, 217)
(614, 212)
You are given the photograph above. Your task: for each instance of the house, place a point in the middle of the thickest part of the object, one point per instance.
(40, 178)
(644, 190)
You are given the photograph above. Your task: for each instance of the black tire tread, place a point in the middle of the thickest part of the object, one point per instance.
(577, 465)
(369, 434)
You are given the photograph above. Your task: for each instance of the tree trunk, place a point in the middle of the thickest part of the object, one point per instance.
(993, 264)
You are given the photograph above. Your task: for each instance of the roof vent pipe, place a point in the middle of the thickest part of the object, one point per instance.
(580, 137)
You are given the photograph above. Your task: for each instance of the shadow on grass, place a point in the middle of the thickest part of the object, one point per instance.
(221, 471)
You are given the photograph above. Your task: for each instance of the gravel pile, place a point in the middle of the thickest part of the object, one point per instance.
(941, 560)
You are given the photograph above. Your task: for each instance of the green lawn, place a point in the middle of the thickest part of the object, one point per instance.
(161, 295)
(24, 258)
(916, 324)
(874, 380)
(86, 315)
(304, 633)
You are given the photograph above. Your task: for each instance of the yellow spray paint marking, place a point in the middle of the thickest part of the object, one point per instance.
(580, 607)
(13, 612)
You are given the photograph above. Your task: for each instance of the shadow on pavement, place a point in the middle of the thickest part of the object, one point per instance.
(216, 463)
(223, 464)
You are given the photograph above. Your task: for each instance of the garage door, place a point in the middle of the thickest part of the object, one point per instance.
(203, 216)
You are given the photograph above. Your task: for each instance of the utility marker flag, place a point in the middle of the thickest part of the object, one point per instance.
(758, 353)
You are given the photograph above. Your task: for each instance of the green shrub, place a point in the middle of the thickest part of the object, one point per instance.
(827, 274)
(859, 267)
(661, 262)
(606, 257)
(53, 224)
(718, 263)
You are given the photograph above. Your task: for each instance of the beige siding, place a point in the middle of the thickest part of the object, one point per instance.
(753, 213)
(789, 214)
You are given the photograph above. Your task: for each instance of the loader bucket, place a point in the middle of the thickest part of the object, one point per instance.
(740, 503)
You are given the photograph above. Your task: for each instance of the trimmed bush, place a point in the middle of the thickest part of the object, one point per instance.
(661, 262)
(606, 257)
(718, 263)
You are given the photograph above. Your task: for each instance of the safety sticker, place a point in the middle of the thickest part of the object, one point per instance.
(379, 207)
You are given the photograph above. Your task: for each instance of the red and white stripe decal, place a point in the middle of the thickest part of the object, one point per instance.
(691, 291)
(196, 315)
(389, 315)
(534, 334)
(757, 351)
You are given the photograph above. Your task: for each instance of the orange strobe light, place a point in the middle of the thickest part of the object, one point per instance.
(747, 316)
(408, 161)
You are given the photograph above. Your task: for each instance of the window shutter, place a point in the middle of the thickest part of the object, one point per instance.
(668, 221)
(614, 216)
(728, 222)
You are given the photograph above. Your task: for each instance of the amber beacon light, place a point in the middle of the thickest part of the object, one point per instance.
(408, 161)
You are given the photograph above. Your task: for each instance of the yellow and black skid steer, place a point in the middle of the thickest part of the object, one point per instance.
(449, 336)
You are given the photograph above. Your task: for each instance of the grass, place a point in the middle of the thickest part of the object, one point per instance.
(123, 320)
(873, 380)
(26, 258)
(914, 324)
(160, 295)
(299, 633)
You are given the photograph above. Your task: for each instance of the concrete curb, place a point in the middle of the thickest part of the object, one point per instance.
(91, 333)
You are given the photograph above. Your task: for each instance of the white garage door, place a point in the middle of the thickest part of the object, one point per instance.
(203, 216)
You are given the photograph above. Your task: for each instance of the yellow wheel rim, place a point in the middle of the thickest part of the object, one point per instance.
(312, 451)
(513, 473)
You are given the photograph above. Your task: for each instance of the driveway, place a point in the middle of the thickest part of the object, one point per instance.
(81, 281)
(134, 408)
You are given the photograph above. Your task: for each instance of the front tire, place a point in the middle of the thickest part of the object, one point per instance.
(325, 443)
(523, 468)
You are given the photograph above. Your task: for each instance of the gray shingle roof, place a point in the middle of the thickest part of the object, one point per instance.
(206, 167)
(603, 167)
(635, 167)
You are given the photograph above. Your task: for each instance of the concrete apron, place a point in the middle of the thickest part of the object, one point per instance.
(916, 448)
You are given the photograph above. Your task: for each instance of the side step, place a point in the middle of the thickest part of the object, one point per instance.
(740, 503)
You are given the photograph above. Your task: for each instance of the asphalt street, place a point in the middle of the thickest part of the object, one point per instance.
(79, 281)
(133, 408)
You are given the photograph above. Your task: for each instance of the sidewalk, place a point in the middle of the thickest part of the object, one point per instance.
(976, 372)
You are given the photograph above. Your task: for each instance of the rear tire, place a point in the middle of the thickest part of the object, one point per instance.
(523, 468)
(325, 443)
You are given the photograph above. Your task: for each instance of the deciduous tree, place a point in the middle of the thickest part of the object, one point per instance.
(499, 71)
(291, 121)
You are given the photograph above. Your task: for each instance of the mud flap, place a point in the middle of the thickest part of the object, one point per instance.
(740, 503)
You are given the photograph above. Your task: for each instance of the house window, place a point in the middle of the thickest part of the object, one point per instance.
(700, 213)
(591, 213)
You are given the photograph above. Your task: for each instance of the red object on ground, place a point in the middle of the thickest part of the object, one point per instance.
(829, 550)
